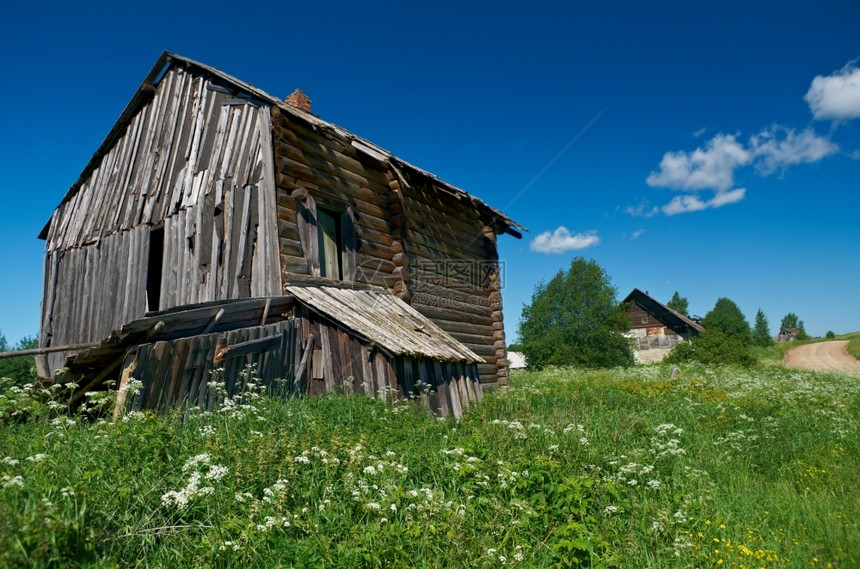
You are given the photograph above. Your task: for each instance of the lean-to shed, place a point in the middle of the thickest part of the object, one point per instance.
(656, 328)
(208, 189)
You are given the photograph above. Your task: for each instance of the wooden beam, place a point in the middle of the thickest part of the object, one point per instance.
(97, 379)
(309, 346)
(215, 320)
(49, 349)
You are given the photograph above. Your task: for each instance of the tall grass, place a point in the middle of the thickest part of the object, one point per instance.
(626, 468)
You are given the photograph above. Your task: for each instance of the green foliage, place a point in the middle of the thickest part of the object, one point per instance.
(726, 340)
(21, 369)
(635, 467)
(854, 347)
(792, 321)
(830, 335)
(575, 320)
(713, 347)
(727, 318)
(761, 331)
(679, 304)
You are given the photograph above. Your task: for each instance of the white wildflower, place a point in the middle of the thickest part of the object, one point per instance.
(9, 481)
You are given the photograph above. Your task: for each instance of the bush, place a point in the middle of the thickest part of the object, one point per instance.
(713, 347)
(726, 340)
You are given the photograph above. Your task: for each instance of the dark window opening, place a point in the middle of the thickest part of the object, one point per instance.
(330, 242)
(153, 269)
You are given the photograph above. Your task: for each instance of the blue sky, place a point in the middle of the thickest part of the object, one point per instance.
(708, 148)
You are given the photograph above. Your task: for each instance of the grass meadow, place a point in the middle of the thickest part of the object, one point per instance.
(641, 467)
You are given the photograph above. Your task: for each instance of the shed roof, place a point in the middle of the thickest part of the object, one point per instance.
(168, 60)
(665, 314)
(385, 320)
(377, 317)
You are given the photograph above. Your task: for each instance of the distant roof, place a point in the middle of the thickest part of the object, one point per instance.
(660, 310)
(168, 60)
(385, 320)
(516, 360)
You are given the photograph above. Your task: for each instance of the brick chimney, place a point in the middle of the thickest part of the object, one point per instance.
(299, 100)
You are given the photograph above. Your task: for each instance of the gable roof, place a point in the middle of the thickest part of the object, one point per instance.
(253, 94)
(670, 317)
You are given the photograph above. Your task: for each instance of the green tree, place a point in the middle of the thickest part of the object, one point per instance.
(574, 319)
(21, 369)
(726, 317)
(791, 320)
(726, 339)
(761, 330)
(679, 304)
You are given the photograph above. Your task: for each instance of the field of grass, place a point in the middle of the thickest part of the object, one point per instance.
(626, 468)
(853, 343)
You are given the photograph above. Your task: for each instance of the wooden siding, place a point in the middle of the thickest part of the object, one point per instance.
(308, 354)
(195, 162)
(342, 363)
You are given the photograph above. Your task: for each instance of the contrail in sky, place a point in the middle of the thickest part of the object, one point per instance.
(557, 156)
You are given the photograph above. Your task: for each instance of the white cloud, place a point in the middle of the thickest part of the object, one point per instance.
(836, 96)
(779, 147)
(713, 164)
(642, 209)
(692, 202)
(636, 234)
(711, 167)
(562, 240)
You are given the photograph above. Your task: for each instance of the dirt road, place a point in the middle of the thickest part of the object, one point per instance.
(823, 356)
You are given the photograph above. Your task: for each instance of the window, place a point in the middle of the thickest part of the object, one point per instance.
(330, 243)
(328, 237)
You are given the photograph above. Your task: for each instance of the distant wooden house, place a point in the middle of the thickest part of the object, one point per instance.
(786, 335)
(209, 191)
(656, 328)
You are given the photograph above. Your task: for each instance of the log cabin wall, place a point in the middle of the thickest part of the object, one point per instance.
(454, 271)
(415, 242)
(317, 168)
(181, 203)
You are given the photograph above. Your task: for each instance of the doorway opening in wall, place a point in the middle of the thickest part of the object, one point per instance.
(154, 263)
(330, 242)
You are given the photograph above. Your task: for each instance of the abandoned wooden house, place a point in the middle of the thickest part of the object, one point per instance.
(656, 328)
(217, 223)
